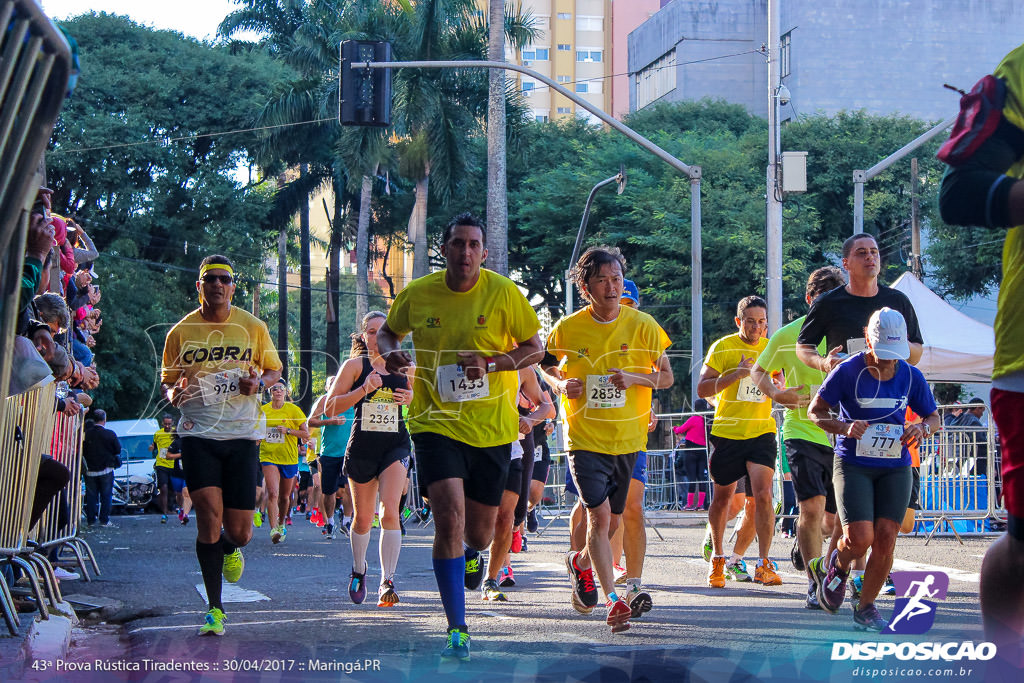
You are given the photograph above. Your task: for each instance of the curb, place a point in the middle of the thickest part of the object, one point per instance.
(47, 640)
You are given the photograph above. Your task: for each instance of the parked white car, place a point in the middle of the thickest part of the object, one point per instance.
(134, 479)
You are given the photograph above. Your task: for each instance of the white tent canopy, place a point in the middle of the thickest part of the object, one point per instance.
(957, 348)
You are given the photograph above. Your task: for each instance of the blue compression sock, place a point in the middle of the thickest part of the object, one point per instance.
(451, 575)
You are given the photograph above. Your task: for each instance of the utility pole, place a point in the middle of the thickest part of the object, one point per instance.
(282, 299)
(915, 224)
(497, 201)
(773, 264)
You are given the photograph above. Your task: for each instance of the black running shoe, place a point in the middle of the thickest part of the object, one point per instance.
(582, 581)
(474, 569)
(796, 557)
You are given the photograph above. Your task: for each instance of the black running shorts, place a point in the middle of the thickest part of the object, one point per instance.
(915, 489)
(514, 479)
(483, 471)
(331, 476)
(364, 468)
(601, 477)
(729, 457)
(811, 476)
(229, 465)
(866, 494)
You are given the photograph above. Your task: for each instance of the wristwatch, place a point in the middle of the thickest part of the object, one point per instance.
(491, 365)
(927, 428)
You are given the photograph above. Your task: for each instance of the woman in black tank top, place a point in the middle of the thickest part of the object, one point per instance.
(377, 456)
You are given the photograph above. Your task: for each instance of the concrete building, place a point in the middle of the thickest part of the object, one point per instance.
(883, 56)
(582, 45)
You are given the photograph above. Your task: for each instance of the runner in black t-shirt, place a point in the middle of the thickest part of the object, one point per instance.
(840, 316)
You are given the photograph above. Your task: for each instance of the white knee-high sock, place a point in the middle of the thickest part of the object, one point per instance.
(390, 547)
(360, 542)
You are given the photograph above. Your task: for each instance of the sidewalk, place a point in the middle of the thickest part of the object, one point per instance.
(37, 639)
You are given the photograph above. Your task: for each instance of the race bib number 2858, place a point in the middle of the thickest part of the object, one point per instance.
(601, 393)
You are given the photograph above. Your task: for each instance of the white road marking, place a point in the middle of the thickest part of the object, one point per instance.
(496, 615)
(582, 639)
(233, 593)
(635, 648)
(233, 624)
(954, 574)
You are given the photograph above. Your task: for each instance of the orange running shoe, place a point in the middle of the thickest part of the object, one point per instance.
(716, 572)
(764, 573)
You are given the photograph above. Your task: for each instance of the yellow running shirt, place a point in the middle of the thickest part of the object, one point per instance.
(212, 356)
(742, 412)
(1009, 323)
(488, 320)
(278, 448)
(314, 444)
(162, 440)
(604, 419)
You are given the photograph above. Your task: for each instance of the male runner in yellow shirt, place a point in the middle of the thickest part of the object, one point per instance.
(472, 330)
(742, 437)
(215, 361)
(611, 357)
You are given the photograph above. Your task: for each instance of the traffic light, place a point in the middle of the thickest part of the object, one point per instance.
(365, 93)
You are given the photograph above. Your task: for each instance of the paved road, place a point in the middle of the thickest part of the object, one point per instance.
(294, 613)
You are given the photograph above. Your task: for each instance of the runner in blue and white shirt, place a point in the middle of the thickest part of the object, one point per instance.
(871, 473)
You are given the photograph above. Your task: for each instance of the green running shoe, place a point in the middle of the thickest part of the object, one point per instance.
(214, 625)
(457, 646)
(234, 565)
(705, 548)
(257, 519)
(737, 571)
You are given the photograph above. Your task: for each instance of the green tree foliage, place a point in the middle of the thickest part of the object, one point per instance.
(553, 166)
(132, 157)
(346, 314)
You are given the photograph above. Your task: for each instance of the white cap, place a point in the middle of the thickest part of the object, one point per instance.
(887, 331)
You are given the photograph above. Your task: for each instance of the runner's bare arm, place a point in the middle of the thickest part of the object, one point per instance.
(820, 413)
(527, 353)
(389, 345)
(344, 394)
(916, 351)
(713, 382)
(789, 397)
(661, 378)
(810, 357)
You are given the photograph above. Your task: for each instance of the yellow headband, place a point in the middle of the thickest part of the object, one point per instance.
(215, 266)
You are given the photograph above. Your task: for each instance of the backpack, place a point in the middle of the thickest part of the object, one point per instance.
(981, 110)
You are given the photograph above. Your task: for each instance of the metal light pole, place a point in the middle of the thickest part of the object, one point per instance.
(861, 177)
(773, 264)
(619, 178)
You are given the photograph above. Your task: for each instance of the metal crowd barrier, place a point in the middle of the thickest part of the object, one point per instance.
(960, 481)
(26, 428)
(66, 448)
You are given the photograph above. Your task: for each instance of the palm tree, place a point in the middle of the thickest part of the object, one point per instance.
(437, 109)
(497, 200)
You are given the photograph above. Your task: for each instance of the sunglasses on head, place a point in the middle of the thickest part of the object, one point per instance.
(223, 279)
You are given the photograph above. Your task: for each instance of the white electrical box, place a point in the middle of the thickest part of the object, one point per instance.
(794, 171)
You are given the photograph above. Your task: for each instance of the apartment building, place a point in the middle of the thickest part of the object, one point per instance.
(582, 45)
